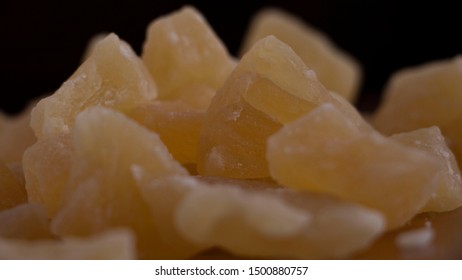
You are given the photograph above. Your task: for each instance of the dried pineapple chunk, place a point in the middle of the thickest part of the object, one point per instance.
(253, 220)
(47, 165)
(177, 124)
(448, 194)
(423, 96)
(336, 70)
(115, 244)
(113, 76)
(113, 153)
(269, 87)
(325, 152)
(183, 54)
(299, 173)
(25, 221)
(188, 62)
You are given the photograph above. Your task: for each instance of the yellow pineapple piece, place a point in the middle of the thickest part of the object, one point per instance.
(115, 244)
(12, 192)
(91, 45)
(111, 155)
(448, 194)
(269, 87)
(424, 96)
(188, 62)
(177, 124)
(325, 152)
(183, 54)
(25, 221)
(250, 219)
(113, 76)
(47, 166)
(336, 70)
(15, 136)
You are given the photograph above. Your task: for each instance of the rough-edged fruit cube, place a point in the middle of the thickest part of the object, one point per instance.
(448, 194)
(177, 124)
(91, 45)
(336, 70)
(115, 244)
(25, 221)
(113, 76)
(423, 96)
(252, 220)
(182, 52)
(46, 166)
(325, 152)
(111, 155)
(269, 87)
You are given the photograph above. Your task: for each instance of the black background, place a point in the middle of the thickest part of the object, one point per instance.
(41, 42)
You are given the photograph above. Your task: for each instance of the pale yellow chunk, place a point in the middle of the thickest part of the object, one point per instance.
(91, 45)
(115, 244)
(47, 166)
(182, 53)
(113, 154)
(16, 136)
(113, 76)
(269, 87)
(448, 194)
(325, 152)
(422, 96)
(25, 221)
(177, 124)
(12, 192)
(338, 71)
(258, 221)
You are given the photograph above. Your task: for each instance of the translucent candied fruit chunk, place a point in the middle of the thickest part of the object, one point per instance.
(177, 124)
(112, 154)
(336, 70)
(448, 194)
(47, 165)
(423, 96)
(269, 87)
(253, 220)
(115, 244)
(182, 52)
(12, 192)
(113, 76)
(25, 221)
(325, 152)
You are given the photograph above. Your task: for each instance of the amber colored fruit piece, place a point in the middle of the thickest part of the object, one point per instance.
(336, 70)
(177, 124)
(111, 155)
(115, 244)
(325, 152)
(256, 221)
(113, 76)
(448, 194)
(269, 87)
(47, 166)
(182, 52)
(15, 136)
(91, 45)
(12, 192)
(25, 221)
(424, 96)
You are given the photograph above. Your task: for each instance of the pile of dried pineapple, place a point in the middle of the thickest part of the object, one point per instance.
(187, 149)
